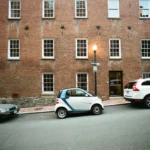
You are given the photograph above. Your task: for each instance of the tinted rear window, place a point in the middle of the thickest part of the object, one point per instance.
(147, 83)
(129, 85)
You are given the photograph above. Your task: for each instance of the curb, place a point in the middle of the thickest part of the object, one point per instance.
(46, 111)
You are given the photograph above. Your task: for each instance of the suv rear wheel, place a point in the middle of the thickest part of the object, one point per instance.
(147, 101)
(61, 113)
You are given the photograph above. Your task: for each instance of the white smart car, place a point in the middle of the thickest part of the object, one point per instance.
(138, 91)
(77, 100)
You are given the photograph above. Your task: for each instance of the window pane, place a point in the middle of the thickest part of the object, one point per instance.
(144, 4)
(82, 81)
(15, 9)
(113, 13)
(114, 48)
(113, 4)
(48, 82)
(146, 75)
(80, 8)
(145, 48)
(48, 48)
(49, 8)
(144, 13)
(14, 48)
(81, 48)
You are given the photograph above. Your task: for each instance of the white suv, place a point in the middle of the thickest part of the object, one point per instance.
(138, 91)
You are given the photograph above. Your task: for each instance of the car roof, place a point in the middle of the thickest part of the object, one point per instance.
(141, 79)
(71, 89)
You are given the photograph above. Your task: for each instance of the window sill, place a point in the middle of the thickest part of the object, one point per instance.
(81, 18)
(146, 58)
(14, 18)
(115, 59)
(117, 18)
(82, 58)
(48, 94)
(47, 58)
(148, 18)
(9, 59)
(48, 18)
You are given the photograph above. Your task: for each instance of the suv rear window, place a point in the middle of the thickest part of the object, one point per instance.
(146, 83)
(129, 85)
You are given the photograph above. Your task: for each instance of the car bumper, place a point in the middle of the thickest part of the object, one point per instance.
(133, 100)
(10, 112)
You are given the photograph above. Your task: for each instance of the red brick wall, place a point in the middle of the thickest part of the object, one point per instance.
(25, 75)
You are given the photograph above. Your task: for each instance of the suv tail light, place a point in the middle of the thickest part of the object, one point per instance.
(135, 87)
(57, 101)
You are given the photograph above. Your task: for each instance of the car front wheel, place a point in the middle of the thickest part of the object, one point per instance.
(96, 109)
(61, 113)
(147, 101)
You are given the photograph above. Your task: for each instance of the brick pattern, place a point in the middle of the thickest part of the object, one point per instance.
(24, 76)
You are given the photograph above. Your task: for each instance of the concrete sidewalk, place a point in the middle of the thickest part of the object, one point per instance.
(51, 108)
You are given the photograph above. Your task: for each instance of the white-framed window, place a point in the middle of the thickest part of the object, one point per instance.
(14, 9)
(48, 48)
(115, 48)
(113, 9)
(82, 80)
(145, 48)
(144, 8)
(13, 49)
(82, 48)
(48, 9)
(80, 8)
(47, 83)
(146, 75)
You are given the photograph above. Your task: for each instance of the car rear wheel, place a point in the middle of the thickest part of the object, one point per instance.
(147, 101)
(96, 109)
(61, 113)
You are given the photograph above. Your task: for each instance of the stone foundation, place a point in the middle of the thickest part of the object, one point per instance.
(29, 101)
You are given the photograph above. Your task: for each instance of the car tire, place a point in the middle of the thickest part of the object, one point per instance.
(96, 109)
(147, 101)
(61, 113)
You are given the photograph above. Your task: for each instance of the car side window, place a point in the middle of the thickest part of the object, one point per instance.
(80, 93)
(75, 93)
(146, 83)
(68, 93)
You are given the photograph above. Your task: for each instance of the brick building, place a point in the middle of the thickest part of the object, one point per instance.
(46, 45)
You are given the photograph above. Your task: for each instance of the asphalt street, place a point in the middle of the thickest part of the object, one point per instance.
(123, 127)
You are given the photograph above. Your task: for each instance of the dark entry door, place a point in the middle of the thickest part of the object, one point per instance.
(115, 83)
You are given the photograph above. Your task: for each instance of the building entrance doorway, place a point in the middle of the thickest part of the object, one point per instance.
(115, 83)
